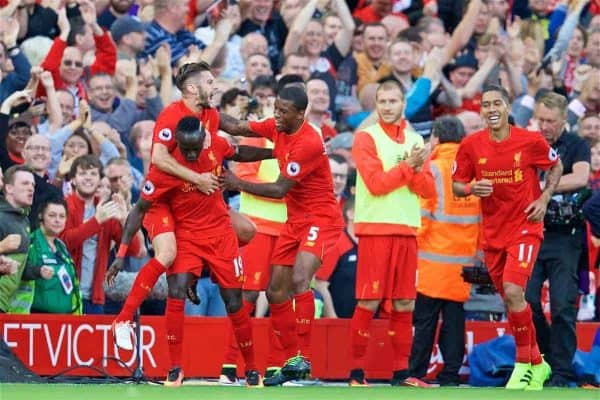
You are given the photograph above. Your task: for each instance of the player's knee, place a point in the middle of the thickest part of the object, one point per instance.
(232, 299)
(166, 255)
(177, 291)
(514, 296)
(245, 230)
(300, 283)
(404, 305)
(276, 296)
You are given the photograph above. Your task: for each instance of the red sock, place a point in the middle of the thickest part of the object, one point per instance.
(143, 284)
(283, 320)
(359, 335)
(401, 335)
(242, 329)
(536, 356)
(174, 316)
(520, 324)
(276, 356)
(231, 354)
(305, 315)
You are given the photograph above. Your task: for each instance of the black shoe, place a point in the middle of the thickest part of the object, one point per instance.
(296, 368)
(399, 377)
(271, 371)
(253, 378)
(228, 375)
(191, 293)
(558, 381)
(357, 378)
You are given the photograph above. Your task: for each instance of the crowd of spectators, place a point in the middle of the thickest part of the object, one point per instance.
(81, 83)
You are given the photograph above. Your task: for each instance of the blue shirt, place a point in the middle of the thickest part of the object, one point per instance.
(179, 42)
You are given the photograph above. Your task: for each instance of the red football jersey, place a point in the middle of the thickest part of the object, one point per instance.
(194, 213)
(302, 158)
(512, 165)
(166, 123)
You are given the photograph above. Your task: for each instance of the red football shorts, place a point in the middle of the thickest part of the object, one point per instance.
(219, 253)
(387, 267)
(158, 219)
(513, 264)
(317, 238)
(256, 256)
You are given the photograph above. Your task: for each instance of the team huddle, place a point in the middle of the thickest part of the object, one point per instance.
(298, 221)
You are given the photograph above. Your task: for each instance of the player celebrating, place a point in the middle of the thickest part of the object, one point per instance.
(196, 83)
(504, 160)
(204, 234)
(313, 225)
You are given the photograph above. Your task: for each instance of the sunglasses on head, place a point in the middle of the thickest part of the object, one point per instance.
(69, 63)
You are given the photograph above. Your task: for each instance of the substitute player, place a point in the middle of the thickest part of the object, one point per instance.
(503, 160)
(197, 85)
(204, 234)
(313, 226)
(391, 176)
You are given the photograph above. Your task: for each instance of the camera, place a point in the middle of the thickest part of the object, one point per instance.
(478, 274)
(565, 210)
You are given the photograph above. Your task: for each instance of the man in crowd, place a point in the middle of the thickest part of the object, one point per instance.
(503, 161)
(14, 230)
(391, 176)
(563, 237)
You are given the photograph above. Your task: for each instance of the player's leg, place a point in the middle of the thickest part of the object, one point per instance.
(530, 369)
(243, 226)
(177, 286)
(371, 272)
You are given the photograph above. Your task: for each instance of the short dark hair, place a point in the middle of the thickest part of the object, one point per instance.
(11, 172)
(295, 95)
(188, 70)
(85, 162)
(288, 79)
(448, 129)
(228, 98)
(189, 125)
(497, 88)
(266, 81)
(53, 200)
(337, 158)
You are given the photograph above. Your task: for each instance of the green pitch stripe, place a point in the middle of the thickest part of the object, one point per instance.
(145, 392)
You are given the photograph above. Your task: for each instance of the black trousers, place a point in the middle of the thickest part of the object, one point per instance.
(451, 338)
(557, 262)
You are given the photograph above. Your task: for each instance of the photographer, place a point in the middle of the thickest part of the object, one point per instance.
(563, 237)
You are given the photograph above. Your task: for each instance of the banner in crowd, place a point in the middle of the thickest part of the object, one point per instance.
(48, 344)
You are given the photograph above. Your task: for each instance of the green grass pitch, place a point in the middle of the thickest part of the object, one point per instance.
(148, 392)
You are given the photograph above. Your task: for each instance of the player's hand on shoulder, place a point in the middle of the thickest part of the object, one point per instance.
(482, 188)
(207, 183)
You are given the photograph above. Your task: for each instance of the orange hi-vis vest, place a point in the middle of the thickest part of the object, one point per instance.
(449, 233)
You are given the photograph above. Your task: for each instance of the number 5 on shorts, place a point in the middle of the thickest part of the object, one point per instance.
(313, 233)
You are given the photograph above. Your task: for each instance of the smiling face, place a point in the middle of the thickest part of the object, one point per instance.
(374, 42)
(54, 219)
(76, 146)
(37, 153)
(333, 24)
(260, 10)
(317, 92)
(86, 181)
(16, 138)
(102, 93)
(590, 127)
(287, 117)
(494, 110)
(313, 38)
(401, 56)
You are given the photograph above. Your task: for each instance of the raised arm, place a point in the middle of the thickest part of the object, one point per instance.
(343, 39)
(234, 127)
(292, 42)
(251, 153)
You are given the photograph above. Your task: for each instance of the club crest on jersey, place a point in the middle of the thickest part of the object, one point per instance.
(165, 134)
(293, 168)
(148, 188)
(552, 155)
